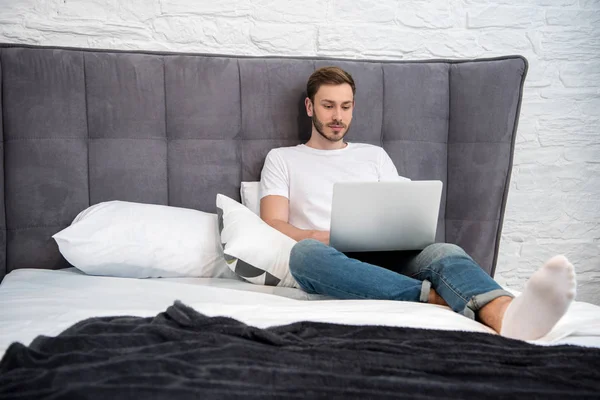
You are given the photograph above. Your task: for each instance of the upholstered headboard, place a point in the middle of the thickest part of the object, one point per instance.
(83, 126)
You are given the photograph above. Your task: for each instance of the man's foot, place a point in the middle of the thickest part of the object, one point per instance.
(546, 298)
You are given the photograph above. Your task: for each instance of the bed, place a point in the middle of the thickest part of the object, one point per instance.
(81, 127)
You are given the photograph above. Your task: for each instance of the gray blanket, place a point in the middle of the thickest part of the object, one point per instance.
(181, 354)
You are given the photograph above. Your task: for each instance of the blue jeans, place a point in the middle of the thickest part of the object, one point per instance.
(321, 269)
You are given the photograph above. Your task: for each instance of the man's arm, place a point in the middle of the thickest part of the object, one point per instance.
(274, 210)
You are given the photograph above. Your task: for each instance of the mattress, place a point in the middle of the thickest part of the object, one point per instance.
(44, 302)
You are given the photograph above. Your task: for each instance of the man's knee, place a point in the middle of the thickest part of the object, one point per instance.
(439, 251)
(306, 246)
(302, 252)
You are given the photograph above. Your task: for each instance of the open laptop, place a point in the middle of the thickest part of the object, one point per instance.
(384, 216)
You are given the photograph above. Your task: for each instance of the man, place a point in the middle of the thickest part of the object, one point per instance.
(296, 194)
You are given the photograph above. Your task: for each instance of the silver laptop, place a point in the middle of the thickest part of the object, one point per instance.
(384, 216)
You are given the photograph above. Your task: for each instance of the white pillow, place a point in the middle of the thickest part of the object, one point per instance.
(254, 250)
(135, 240)
(250, 194)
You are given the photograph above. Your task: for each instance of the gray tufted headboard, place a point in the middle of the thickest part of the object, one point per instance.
(84, 126)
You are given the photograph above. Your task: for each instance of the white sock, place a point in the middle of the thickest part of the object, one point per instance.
(546, 298)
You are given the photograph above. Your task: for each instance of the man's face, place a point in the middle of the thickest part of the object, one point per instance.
(331, 111)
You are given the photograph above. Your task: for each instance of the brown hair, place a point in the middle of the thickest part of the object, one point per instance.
(328, 76)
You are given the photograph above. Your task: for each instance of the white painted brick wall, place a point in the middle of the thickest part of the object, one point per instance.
(553, 206)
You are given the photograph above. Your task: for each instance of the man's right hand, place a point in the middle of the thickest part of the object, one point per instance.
(321, 236)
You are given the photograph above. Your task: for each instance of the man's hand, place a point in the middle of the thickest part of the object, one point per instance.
(321, 236)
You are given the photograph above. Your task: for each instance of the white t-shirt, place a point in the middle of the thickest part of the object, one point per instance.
(305, 176)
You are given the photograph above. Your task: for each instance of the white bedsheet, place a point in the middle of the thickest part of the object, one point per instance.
(42, 302)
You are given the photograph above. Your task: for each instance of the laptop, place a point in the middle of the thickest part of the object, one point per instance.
(384, 216)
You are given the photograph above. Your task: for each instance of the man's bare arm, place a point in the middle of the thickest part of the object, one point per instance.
(274, 210)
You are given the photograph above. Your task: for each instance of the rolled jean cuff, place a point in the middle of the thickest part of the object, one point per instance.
(479, 301)
(425, 289)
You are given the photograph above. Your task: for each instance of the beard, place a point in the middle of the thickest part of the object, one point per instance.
(332, 137)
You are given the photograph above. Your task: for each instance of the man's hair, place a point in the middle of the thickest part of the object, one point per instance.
(328, 76)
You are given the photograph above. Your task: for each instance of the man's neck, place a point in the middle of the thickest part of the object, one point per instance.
(316, 141)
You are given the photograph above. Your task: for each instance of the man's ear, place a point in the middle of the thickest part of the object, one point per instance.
(309, 107)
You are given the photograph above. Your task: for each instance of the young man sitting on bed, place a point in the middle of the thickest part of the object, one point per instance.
(440, 274)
